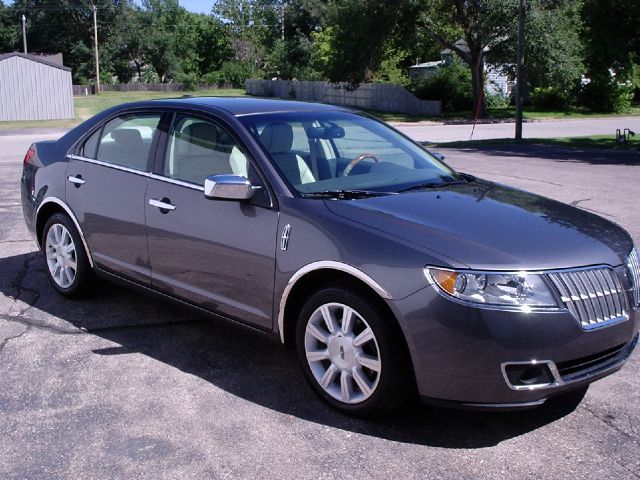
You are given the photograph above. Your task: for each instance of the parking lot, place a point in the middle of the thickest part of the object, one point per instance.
(124, 386)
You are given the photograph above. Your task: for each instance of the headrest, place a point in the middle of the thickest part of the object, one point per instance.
(127, 136)
(202, 134)
(277, 137)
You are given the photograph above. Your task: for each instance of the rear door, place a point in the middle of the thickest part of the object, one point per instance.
(217, 254)
(106, 183)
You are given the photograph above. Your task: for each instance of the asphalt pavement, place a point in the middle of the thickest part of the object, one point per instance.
(124, 386)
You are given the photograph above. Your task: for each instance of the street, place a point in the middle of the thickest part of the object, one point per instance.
(125, 386)
(454, 131)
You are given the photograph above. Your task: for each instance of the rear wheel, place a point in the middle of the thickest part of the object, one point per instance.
(64, 254)
(350, 353)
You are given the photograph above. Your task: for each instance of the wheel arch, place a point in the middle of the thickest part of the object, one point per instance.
(50, 206)
(313, 276)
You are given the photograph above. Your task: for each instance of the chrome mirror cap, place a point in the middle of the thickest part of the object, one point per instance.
(228, 187)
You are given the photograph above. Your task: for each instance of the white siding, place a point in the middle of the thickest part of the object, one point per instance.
(30, 90)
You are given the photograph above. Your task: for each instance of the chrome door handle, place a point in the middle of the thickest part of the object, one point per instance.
(162, 204)
(77, 180)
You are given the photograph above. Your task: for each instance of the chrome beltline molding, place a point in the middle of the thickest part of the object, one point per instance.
(325, 265)
(66, 208)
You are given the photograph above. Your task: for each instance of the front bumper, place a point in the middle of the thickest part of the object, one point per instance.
(459, 352)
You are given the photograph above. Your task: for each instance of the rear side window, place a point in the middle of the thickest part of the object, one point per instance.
(126, 140)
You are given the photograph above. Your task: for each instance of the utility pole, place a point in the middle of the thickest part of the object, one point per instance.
(520, 69)
(24, 33)
(282, 20)
(95, 44)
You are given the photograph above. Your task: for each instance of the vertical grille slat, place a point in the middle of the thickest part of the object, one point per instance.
(594, 296)
(611, 306)
(633, 264)
(597, 292)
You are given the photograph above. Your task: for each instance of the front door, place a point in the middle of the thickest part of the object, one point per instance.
(219, 255)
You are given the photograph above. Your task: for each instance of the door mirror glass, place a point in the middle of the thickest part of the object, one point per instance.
(228, 187)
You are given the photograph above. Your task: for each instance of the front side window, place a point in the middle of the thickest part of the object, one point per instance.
(199, 148)
(327, 151)
(126, 140)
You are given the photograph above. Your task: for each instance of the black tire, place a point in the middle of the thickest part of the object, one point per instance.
(390, 385)
(72, 286)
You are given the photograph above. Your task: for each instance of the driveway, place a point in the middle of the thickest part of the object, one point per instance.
(123, 386)
(456, 131)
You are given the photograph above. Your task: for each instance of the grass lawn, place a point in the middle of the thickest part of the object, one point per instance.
(87, 106)
(593, 141)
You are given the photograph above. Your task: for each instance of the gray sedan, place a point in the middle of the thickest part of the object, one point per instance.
(391, 274)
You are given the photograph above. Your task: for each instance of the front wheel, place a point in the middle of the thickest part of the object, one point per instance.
(351, 353)
(67, 263)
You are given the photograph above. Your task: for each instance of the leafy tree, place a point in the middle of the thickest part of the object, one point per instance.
(612, 51)
(482, 25)
(359, 32)
(9, 30)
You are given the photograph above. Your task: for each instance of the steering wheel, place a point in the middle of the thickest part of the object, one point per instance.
(357, 160)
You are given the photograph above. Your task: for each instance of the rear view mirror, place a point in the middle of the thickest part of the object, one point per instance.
(327, 133)
(228, 187)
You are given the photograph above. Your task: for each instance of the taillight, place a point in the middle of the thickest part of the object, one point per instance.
(28, 156)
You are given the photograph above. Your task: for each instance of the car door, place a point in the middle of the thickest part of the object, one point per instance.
(217, 254)
(107, 179)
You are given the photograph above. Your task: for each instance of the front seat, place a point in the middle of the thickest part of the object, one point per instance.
(277, 138)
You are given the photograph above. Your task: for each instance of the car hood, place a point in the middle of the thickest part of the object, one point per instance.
(483, 225)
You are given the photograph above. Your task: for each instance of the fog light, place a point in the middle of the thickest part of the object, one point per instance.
(528, 375)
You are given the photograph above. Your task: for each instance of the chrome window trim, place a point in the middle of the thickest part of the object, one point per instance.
(67, 209)
(325, 265)
(110, 165)
(174, 181)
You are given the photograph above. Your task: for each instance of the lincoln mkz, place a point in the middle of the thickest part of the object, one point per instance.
(391, 274)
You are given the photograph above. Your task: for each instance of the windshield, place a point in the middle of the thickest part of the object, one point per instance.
(320, 152)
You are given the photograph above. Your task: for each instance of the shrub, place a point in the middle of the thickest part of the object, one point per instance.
(549, 98)
(451, 84)
(607, 95)
(234, 72)
(496, 100)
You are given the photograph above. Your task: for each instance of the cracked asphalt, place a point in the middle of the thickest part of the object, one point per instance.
(123, 386)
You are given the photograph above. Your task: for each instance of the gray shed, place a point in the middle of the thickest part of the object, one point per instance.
(34, 89)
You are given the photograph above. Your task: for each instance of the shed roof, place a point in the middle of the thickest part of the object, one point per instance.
(33, 59)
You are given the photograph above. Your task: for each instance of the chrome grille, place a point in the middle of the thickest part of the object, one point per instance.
(633, 263)
(594, 297)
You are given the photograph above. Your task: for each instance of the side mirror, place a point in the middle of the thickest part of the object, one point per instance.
(228, 187)
(438, 156)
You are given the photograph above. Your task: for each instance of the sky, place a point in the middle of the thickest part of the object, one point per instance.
(198, 6)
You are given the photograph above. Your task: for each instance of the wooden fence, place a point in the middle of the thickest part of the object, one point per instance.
(79, 90)
(384, 97)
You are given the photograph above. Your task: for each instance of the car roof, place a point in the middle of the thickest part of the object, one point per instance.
(240, 106)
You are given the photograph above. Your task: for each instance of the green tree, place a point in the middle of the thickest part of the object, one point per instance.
(9, 30)
(471, 29)
(612, 51)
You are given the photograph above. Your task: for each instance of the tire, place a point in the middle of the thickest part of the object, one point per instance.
(351, 354)
(65, 258)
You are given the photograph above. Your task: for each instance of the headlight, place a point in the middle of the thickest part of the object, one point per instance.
(520, 289)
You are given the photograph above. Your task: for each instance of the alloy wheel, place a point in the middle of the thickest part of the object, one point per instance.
(342, 353)
(61, 255)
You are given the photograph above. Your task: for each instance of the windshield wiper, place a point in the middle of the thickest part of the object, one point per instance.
(346, 194)
(424, 186)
